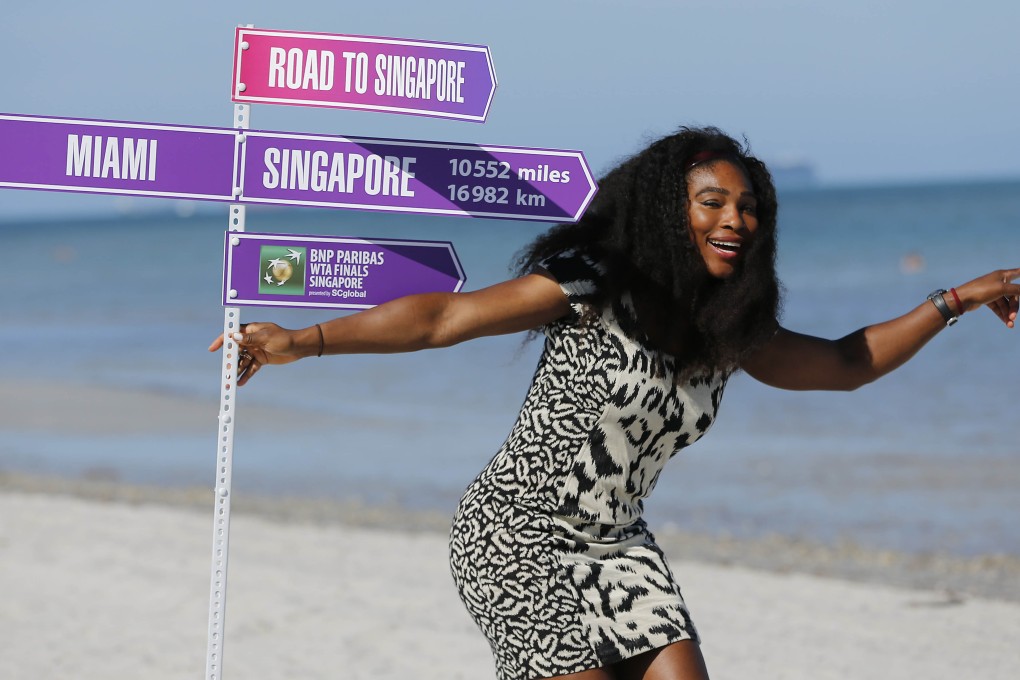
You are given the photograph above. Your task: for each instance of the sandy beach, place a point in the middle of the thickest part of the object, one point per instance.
(108, 581)
(104, 579)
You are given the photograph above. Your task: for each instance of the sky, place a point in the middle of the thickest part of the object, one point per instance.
(869, 92)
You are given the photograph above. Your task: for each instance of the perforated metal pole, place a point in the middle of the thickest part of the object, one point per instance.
(225, 451)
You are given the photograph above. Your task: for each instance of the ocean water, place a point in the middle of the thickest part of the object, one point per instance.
(926, 459)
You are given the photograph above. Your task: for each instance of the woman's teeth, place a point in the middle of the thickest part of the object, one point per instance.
(730, 246)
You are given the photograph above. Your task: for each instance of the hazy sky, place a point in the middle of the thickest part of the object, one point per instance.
(870, 90)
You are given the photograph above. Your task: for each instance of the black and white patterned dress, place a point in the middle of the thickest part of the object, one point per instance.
(548, 549)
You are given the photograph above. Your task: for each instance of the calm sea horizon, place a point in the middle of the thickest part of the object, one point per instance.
(923, 460)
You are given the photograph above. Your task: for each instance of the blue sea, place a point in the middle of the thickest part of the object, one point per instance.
(924, 460)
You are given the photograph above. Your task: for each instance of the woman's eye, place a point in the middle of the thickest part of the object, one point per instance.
(710, 204)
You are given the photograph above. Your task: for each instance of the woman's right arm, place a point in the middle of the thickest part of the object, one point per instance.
(409, 323)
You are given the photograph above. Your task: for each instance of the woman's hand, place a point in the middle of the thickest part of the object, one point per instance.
(260, 344)
(996, 290)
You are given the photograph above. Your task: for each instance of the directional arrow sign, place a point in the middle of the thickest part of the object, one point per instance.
(415, 177)
(137, 159)
(221, 164)
(280, 270)
(356, 72)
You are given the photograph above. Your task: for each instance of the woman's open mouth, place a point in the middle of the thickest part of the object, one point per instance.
(725, 249)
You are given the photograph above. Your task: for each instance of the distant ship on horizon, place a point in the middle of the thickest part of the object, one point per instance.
(793, 173)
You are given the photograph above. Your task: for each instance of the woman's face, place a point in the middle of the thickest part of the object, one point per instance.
(721, 209)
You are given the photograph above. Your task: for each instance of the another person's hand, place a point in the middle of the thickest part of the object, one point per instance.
(997, 290)
(260, 344)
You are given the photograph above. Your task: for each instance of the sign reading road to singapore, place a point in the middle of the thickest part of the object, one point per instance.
(284, 270)
(388, 75)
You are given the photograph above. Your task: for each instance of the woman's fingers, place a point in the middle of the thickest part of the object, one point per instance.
(260, 344)
(1008, 295)
(255, 335)
(1004, 295)
(247, 366)
(1010, 306)
(252, 350)
(246, 336)
(1000, 307)
(249, 361)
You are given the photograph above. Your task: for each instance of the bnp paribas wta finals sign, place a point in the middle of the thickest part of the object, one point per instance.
(241, 166)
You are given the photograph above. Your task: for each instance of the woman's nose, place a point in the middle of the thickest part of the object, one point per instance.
(733, 217)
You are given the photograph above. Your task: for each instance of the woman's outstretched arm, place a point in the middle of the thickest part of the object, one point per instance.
(795, 361)
(408, 324)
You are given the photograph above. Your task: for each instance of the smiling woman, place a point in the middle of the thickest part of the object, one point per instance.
(663, 290)
(722, 213)
(650, 224)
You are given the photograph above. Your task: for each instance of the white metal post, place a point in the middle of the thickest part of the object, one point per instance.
(225, 451)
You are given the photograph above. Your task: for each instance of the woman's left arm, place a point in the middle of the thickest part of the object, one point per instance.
(794, 361)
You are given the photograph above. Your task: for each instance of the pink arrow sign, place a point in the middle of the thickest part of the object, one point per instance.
(389, 75)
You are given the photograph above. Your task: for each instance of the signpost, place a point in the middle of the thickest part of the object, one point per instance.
(109, 157)
(389, 75)
(283, 270)
(242, 166)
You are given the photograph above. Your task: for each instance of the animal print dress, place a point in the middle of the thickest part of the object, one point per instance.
(548, 549)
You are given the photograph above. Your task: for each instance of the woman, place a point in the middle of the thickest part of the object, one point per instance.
(664, 289)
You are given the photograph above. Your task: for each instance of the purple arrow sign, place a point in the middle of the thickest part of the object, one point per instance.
(415, 177)
(390, 75)
(389, 175)
(136, 159)
(284, 270)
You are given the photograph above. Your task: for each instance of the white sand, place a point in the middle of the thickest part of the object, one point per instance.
(113, 590)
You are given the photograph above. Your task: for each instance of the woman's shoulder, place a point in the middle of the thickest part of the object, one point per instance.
(581, 277)
(577, 272)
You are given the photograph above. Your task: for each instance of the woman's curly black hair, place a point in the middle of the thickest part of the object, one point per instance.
(637, 227)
